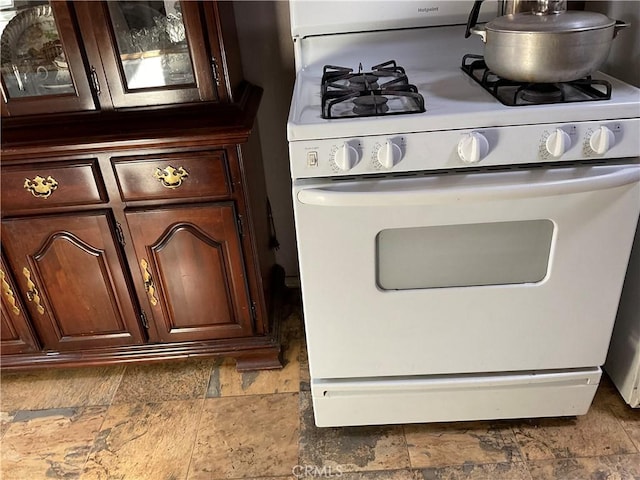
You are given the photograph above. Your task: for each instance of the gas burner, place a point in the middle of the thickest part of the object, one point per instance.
(383, 91)
(515, 94)
(371, 105)
(365, 81)
(542, 93)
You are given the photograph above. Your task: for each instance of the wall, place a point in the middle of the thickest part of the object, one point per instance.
(624, 59)
(267, 60)
(267, 57)
(624, 63)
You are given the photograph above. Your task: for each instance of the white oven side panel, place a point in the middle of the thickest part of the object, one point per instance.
(355, 328)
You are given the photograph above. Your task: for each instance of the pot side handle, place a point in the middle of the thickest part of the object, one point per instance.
(473, 17)
(479, 30)
(620, 25)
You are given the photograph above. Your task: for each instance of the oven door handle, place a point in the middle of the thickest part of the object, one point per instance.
(426, 194)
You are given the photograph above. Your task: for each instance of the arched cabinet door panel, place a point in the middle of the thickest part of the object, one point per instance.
(16, 334)
(69, 271)
(191, 271)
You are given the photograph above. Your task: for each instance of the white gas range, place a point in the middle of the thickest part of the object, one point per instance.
(457, 262)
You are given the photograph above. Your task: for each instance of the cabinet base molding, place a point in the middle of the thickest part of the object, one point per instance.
(255, 353)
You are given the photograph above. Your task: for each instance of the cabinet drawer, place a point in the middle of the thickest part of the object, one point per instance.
(202, 174)
(76, 182)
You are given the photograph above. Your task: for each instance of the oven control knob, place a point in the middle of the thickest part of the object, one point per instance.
(473, 147)
(602, 140)
(558, 143)
(346, 156)
(389, 154)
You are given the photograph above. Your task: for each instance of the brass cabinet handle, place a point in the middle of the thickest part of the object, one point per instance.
(8, 294)
(32, 292)
(41, 187)
(148, 282)
(170, 177)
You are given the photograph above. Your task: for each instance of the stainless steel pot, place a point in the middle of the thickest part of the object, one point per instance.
(546, 48)
(519, 6)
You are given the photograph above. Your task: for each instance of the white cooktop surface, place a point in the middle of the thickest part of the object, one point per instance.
(432, 59)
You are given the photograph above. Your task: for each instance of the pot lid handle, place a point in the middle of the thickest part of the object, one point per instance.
(473, 17)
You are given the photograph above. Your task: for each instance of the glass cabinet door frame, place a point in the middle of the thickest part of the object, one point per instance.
(82, 99)
(98, 23)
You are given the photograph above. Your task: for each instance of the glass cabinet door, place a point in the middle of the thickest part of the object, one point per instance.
(41, 64)
(152, 45)
(154, 52)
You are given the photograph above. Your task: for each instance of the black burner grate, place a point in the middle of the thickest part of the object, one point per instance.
(385, 90)
(516, 94)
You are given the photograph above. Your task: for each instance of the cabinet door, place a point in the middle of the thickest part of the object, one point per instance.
(15, 334)
(70, 272)
(153, 52)
(42, 66)
(191, 264)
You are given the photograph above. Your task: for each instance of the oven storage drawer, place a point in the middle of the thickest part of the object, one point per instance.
(454, 274)
(64, 183)
(481, 397)
(181, 175)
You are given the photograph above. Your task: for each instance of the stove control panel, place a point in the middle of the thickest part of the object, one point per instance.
(345, 156)
(557, 143)
(387, 154)
(602, 140)
(473, 147)
(453, 149)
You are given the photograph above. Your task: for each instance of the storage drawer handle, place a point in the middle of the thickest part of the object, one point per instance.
(171, 177)
(148, 282)
(8, 294)
(32, 292)
(41, 187)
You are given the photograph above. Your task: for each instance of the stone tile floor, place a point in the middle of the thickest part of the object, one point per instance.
(200, 419)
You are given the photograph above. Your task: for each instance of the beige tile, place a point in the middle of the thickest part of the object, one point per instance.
(165, 381)
(615, 467)
(608, 393)
(444, 444)
(51, 443)
(5, 421)
(350, 449)
(145, 441)
(595, 434)
(57, 388)
(628, 417)
(405, 474)
(470, 471)
(305, 376)
(247, 436)
(227, 381)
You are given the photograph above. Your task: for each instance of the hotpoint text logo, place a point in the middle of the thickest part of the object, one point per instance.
(427, 9)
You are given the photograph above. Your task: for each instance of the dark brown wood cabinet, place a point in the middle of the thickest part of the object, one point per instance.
(194, 276)
(63, 56)
(134, 228)
(16, 335)
(71, 275)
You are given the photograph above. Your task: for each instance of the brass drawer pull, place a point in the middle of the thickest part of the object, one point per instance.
(32, 292)
(41, 187)
(171, 177)
(8, 293)
(148, 282)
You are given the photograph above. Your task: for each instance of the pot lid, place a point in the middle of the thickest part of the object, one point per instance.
(569, 21)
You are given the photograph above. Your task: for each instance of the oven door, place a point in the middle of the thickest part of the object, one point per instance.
(479, 272)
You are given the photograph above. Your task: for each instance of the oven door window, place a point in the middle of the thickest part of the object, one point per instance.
(464, 255)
